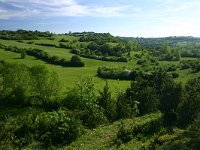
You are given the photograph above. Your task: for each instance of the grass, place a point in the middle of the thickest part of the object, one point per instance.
(69, 75)
(103, 137)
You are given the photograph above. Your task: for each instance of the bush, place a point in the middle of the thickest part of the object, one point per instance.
(23, 54)
(58, 127)
(48, 128)
(63, 40)
(175, 75)
(147, 125)
(76, 61)
(82, 98)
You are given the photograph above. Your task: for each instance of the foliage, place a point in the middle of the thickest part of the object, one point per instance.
(47, 44)
(194, 65)
(148, 126)
(107, 103)
(146, 96)
(44, 84)
(76, 61)
(23, 35)
(23, 54)
(48, 128)
(23, 85)
(114, 73)
(82, 98)
(126, 107)
(40, 54)
(15, 83)
(190, 106)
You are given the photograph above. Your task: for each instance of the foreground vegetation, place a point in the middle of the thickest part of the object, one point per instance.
(157, 109)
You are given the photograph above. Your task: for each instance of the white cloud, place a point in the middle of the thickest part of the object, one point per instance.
(49, 8)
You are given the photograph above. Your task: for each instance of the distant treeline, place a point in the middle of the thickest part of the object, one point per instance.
(119, 52)
(23, 35)
(187, 46)
(40, 54)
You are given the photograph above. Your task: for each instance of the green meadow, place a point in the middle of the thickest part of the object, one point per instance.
(69, 75)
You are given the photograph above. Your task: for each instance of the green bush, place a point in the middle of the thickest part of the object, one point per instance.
(48, 128)
(58, 127)
(175, 75)
(148, 125)
(82, 99)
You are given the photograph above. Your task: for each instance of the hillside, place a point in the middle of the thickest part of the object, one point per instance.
(51, 45)
(87, 90)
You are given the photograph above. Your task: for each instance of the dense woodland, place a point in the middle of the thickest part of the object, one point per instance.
(154, 112)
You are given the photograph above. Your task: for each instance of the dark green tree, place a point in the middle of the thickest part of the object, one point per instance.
(190, 106)
(106, 102)
(170, 97)
(126, 107)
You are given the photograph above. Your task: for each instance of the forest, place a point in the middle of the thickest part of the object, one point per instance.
(87, 90)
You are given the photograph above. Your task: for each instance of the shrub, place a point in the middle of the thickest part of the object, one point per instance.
(76, 61)
(58, 127)
(63, 40)
(48, 128)
(147, 125)
(175, 75)
(23, 54)
(82, 98)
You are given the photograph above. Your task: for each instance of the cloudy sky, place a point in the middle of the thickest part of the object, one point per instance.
(137, 18)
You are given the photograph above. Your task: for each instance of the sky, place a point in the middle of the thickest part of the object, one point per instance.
(131, 18)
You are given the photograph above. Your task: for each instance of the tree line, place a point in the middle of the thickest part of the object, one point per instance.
(23, 35)
(40, 54)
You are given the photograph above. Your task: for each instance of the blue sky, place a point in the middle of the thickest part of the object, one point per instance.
(137, 18)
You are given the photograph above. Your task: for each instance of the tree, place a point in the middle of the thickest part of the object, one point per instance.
(145, 94)
(190, 106)
(106, 102)
(126, 107)
(82, 98)
(170, 97)
(44, 83)
(16, 83)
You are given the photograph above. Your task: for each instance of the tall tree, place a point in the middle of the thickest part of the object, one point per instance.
(106, 102)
